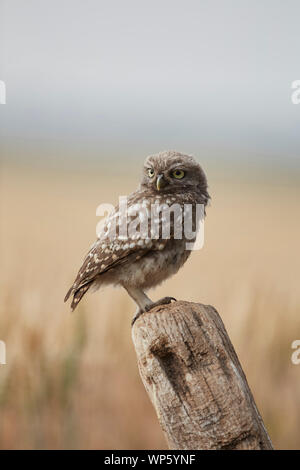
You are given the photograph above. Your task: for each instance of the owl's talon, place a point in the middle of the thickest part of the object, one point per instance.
(163, 301)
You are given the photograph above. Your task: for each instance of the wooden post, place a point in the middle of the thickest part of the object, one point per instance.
(195, 381)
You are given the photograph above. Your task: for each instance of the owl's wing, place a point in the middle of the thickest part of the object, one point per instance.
(112, 250)
(102, 257)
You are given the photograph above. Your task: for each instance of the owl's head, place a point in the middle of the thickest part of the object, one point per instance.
(174, 172)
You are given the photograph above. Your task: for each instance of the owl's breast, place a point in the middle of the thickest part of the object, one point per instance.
(154, 267)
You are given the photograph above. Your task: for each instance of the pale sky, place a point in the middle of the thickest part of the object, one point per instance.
(137, 76)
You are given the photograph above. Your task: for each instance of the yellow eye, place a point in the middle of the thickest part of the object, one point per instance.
(150, 172)
(178, 174)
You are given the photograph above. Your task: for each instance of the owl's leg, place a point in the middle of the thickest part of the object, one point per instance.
(137, 314)
(141, 299)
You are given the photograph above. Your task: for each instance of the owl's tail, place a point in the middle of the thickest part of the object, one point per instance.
(77, 295)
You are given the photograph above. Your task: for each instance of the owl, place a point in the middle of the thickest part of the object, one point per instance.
(138, 246)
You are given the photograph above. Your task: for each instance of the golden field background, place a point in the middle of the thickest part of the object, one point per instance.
(71, 380)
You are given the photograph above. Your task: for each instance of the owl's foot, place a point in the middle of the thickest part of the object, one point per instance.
(163, 301)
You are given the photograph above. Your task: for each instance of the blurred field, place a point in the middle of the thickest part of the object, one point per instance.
(71, 380)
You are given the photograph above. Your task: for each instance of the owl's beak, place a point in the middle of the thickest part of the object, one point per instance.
(160, 182)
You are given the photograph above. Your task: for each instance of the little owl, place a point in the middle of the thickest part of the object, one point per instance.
(142, 255)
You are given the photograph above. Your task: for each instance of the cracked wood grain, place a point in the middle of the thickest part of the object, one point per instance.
(195, 381)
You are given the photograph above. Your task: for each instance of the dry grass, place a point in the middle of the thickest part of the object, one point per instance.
(71, 379)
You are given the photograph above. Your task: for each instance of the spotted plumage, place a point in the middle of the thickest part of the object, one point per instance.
(132, 250)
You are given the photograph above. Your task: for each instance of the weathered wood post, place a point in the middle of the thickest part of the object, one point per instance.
(195, 381)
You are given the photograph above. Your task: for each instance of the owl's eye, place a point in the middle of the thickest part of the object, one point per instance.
(150, 172)
(178, 174)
